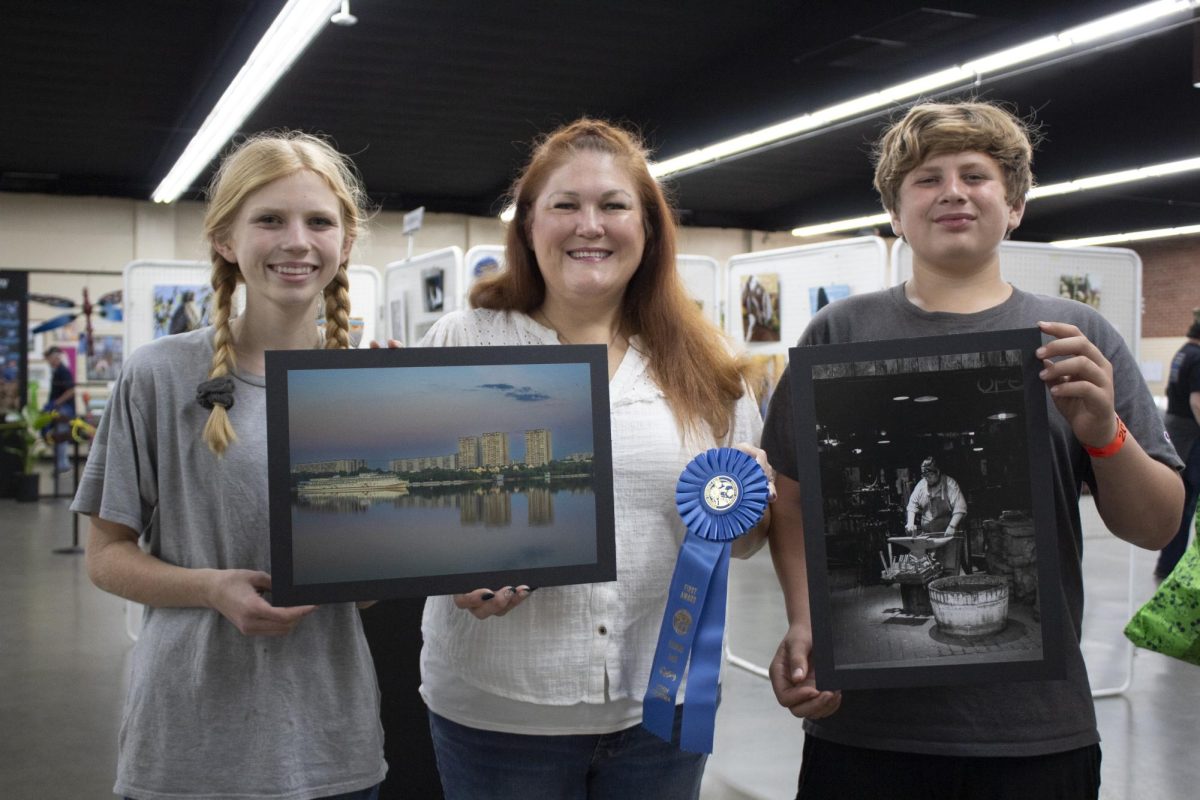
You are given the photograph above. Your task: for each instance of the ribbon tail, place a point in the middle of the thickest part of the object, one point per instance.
(700, 706)
(689, 585)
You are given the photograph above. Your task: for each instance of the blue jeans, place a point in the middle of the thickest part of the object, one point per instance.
(371, 793)
(632, 764)
(1175, 548)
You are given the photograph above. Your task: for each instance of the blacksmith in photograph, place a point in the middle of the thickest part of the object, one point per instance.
(937, 505)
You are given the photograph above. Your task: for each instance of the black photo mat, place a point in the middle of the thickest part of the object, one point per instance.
(428, 471)
(867, 416)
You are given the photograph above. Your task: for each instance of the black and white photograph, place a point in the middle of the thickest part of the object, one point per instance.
(927, 515)
(410, 472)
(433, 282)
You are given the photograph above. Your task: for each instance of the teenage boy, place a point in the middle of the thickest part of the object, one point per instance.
(953, 177)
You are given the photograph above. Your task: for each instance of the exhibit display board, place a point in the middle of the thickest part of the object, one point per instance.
(14, 361)
(702, 278)
(1109, 279)
(771, 295)
(417, 291)
(481, 260)
(166, 297)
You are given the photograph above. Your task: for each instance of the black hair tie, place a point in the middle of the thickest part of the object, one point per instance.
(216, 392)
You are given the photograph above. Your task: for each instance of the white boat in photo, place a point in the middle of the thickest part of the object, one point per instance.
(353, 484)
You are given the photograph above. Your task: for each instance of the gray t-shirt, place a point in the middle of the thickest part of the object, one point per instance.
(212, 713)
(1025, 718)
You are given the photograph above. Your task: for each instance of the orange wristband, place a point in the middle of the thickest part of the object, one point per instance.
(1112, 447)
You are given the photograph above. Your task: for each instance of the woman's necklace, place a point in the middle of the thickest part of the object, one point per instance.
(562, 338)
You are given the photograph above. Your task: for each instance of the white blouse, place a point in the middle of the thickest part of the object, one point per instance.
(574, 659)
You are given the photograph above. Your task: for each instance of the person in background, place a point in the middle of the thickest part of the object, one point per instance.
(62, 401)
(954, 177)
(937, 507)
(1183, 424)
(540, 694)
(229, 695)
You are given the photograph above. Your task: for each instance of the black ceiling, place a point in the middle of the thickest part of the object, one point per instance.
(437, 99)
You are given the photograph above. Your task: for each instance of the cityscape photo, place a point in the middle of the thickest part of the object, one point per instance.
(441, 470)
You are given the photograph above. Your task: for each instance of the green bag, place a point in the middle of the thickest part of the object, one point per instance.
(1169, 623)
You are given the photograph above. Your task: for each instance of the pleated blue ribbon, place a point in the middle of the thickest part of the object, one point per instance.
(721, 494)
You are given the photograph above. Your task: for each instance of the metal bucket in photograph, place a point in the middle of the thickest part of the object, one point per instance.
(970, 605)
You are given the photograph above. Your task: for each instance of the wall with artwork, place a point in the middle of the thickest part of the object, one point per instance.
(771, 295)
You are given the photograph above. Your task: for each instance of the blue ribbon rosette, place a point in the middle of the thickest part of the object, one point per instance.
(721, 494)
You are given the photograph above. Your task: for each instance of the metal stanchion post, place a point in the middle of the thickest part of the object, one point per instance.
(74, 548)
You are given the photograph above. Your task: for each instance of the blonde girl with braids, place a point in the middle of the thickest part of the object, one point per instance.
(229, 695)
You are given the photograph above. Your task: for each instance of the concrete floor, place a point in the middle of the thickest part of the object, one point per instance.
(64, 658)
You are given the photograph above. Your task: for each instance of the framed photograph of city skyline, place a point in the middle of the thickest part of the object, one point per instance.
(929, 528)
(424, 471)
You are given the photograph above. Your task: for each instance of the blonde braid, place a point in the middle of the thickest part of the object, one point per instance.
(218, 432)
(337, 311)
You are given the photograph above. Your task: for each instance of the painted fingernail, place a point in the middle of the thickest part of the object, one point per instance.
(510, 590)
(487, 595)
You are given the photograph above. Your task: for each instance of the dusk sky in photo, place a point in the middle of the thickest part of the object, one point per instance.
(386, 413)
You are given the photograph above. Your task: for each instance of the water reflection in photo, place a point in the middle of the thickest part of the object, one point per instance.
(442, 530)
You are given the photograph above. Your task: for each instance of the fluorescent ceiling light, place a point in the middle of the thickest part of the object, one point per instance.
(854, 223)
(1134, 236)
(1037, 192)
(297, 24)
(1111, 25)
(1113, 178)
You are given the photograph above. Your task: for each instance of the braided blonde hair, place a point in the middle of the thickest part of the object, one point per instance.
(250, 165)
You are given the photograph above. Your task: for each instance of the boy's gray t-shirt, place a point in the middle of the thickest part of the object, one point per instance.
(212, 713)
(1025, 718)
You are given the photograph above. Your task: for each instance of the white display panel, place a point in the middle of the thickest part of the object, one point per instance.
(150, 285)
(482, 259)
(796, 275)
(154, 293)
(365, 306)
(1109, 277)
(702, 278)
(417, 291)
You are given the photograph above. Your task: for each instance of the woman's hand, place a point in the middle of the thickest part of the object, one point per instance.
(752, 541)
(392, 344)
(760, 456)
(237, 595)
(484, 603)
(1080, 380)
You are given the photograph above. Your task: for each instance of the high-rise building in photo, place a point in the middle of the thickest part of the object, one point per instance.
(493, 449)
(468, 452)
(538, 450)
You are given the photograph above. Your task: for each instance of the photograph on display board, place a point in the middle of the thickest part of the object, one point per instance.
(105, 361)
(821, 296)
(357, 327)
(12, 339)
(485, 265)
(398, 309)
(433, 283)
(181, 308)
(419, 471)
(1084, 288)
(760, 308)
(928, 520)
